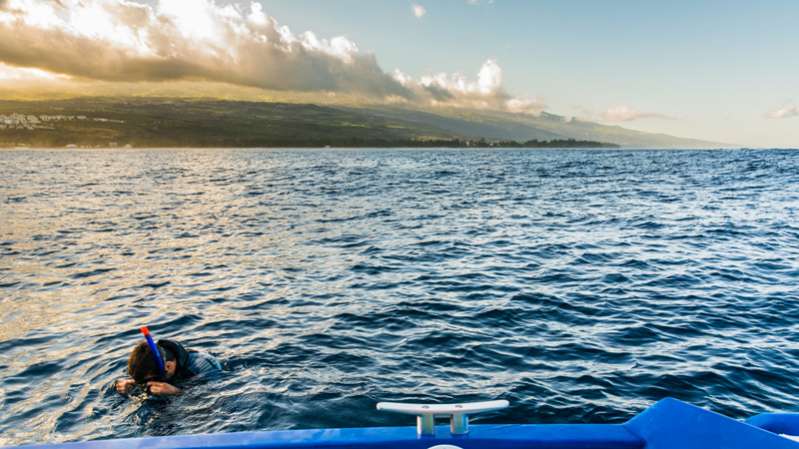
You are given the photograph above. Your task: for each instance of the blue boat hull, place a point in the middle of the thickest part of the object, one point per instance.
(669, 424)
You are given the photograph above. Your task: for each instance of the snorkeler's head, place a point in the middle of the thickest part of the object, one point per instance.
(142, 366)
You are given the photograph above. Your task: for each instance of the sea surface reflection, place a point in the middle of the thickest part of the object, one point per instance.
(579, 285)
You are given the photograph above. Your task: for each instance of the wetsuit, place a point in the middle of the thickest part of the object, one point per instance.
(190, 364)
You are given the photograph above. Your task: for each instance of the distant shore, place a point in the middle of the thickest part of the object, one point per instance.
(365, 144)
(208, 123)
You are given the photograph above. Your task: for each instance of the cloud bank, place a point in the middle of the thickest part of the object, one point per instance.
(124, 40)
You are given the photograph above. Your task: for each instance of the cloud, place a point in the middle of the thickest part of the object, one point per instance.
(486, 91)
(234, 43)
(25, 74)
(126, 41)
(532, 106)
(488, 82)
(625, 113)
(418, 10)
(784, 112)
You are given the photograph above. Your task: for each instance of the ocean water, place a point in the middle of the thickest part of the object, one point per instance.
(581, 285)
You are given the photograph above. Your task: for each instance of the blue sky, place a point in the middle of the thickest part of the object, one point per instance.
(714, 68)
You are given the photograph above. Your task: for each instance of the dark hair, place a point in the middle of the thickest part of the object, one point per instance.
(141, 363)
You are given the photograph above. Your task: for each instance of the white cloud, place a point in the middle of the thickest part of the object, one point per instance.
(122, 40)
(484, 92)
(129, 41)
(418, 10)
(533, 106)
(784, 112)
(489, 81)
(623, 113)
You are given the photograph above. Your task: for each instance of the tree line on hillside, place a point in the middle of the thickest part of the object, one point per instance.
(89, 140)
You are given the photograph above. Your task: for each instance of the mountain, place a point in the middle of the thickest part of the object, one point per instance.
(521, 127)
(190, 122)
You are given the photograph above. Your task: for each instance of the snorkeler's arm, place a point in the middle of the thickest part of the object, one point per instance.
(124, 386)
(162, 388)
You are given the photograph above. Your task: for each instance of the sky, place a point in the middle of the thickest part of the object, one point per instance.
(724, 71)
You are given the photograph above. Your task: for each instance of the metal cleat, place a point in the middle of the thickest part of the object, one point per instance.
(458, 414)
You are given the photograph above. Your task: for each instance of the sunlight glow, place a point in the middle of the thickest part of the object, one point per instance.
(11, 73)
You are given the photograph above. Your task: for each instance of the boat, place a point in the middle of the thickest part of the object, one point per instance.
(667, 424)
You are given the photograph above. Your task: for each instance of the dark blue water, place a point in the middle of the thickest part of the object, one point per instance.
(580, 285)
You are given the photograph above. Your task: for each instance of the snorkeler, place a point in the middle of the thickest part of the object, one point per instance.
(157, 367)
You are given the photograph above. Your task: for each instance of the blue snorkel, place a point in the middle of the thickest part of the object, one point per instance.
(154, 349)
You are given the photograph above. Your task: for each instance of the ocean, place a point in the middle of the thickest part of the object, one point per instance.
(580, 285)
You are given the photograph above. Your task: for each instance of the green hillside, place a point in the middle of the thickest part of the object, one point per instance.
(169, 122)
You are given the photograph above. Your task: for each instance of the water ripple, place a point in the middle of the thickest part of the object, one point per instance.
(579, 285)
